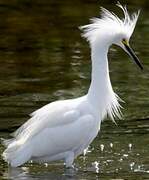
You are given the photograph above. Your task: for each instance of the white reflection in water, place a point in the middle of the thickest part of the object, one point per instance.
(46, 164)
(132, 165)
(130, 146)
(125, 155)
(96, 166)
(102, 147)
(25, 173)
(111, 145)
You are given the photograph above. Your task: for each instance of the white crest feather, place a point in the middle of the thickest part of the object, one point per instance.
(111, 23)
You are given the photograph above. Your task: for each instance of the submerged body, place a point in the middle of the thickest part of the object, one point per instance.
(62, 130)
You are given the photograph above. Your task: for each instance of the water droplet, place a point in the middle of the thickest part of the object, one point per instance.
(46, 164)
(111, 145)
(130, 146)
(131, 165)
(96, 166)
(125, 155)
(85, 151)
(102, 147)
(121, 159)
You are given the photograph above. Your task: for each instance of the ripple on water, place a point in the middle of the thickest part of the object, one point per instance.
(43, 58)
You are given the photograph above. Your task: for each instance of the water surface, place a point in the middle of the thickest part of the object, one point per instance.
(43, 58)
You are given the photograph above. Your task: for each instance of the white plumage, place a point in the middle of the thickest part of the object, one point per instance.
(62, 130)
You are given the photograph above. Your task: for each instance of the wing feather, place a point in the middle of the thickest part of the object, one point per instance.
(52, 115)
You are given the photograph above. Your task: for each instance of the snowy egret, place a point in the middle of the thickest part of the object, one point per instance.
(63, 129)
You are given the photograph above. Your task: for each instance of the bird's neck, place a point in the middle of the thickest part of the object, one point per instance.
(100, 91)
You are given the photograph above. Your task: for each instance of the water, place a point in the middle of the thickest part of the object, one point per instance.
(43, 58)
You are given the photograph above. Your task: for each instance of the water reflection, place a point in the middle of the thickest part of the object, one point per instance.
(43, 58)
(24, 173)
(108, 161)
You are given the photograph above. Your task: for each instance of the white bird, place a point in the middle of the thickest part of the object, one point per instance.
(63, 129)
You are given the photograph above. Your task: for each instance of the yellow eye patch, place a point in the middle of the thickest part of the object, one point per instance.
(125, 42)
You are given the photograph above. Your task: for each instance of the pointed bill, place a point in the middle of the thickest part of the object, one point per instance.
(132, 54)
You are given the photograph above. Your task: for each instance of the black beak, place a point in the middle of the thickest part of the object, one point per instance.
(130, 51)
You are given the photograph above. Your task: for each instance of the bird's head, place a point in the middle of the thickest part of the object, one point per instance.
(110, 29)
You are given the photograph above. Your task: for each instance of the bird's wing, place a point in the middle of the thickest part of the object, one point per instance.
(54, 114)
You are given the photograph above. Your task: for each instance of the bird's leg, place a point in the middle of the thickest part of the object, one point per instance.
(69, 159)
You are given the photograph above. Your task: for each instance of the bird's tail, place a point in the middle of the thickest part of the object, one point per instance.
(16, 153)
